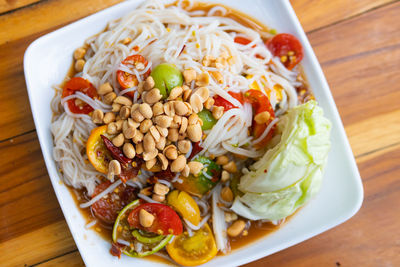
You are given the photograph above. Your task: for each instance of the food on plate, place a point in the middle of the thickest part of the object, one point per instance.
(184, 130)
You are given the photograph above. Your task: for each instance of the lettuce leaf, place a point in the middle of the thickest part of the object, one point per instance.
(290, 173)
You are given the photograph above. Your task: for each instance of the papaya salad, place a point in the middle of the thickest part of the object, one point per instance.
(183, 128)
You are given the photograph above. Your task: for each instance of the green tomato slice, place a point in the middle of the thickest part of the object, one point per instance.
(163, 243)
(146, 239)
(208, 119)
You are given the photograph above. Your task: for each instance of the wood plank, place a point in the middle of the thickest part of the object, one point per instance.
(316, 14)
(387, 134)
(57, 13)
(37, 245)
(27, 199)
(370, 238)
(71, 259)
(10, 5)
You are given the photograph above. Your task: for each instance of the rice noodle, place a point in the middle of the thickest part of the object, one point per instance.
(265, 133)
(200, 225)
(91, 224)
(123, 242)
(218, 220)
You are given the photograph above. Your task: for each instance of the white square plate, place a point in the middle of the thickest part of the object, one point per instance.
(46, 63)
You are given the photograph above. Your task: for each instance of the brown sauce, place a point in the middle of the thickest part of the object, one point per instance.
(257, 230)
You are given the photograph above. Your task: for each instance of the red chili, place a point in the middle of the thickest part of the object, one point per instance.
(195, 150)
(115, 249)
(116, 151)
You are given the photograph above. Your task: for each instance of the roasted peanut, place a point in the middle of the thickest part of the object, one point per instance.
(186, 93)
(169, 108)
(97, 116)
(154, 132)
(146, 219)
(236, 228)
(150, 163)
(196, 103)
(184, 146)
(161, 143)
(230, 217)
(112, 128)
(189, 75)
(190, 109)
(146, 110)
(203, 92)
(180, 108)
(79, 64)
(109, 98)
(178, 164)
(225, 176)
(116, 107)
(230, 167)
(226, 194)
(193, 119)
(114, 168)
(126, 40)
(222, 160)
(194, 132)
(203, 79)
(146, 191)
(148, 143)
(170, 152)
(184, 125)
(150, 155)
(217, 112)
(125, 112)
(118, 140)
(160, 189)
(145, 126)
(220, 63)
(109, 117)
(129, 150)
(138, 137)
(139, 148)
(262, 117)
(195, 167)
(79, 53)
(158, 198)
(163, 131)
(152, 96)
(137, 116)
(148, 84)
(209, 103)
(129, 132)
(175, 93)
(185, 171)
(123, 100)
(163, 160)
(158, 109)
(105, 88)
(163, 121)
(218, 76)
(173, 134)
(119, 124)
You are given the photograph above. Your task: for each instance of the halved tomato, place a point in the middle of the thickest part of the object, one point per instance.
(166, 220)
(195, 250)
(260, 103)
(185, 205)
(127, 80)
(222, 102)
(96, 151)
(84, 86)
(288, 48)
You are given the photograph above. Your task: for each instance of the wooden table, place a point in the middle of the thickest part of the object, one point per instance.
(358, 45)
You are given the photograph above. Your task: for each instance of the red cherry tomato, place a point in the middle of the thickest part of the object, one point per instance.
(260, 103)
(84, 86)
(107, 209)
(222, 102)
(288, 48)
(127, 80)
(166, 219)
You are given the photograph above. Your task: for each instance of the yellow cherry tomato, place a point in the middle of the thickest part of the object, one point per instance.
(185, 205)
(96, 151)
(195, 250)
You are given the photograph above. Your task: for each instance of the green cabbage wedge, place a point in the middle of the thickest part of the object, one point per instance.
(290, 173)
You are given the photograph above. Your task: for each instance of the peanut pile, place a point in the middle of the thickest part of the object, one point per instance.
(161, 131)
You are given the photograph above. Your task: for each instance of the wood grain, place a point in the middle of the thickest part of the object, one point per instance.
(316, 14)
(9, 5)
(37, 245)
(72, 259)
(27, 199)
